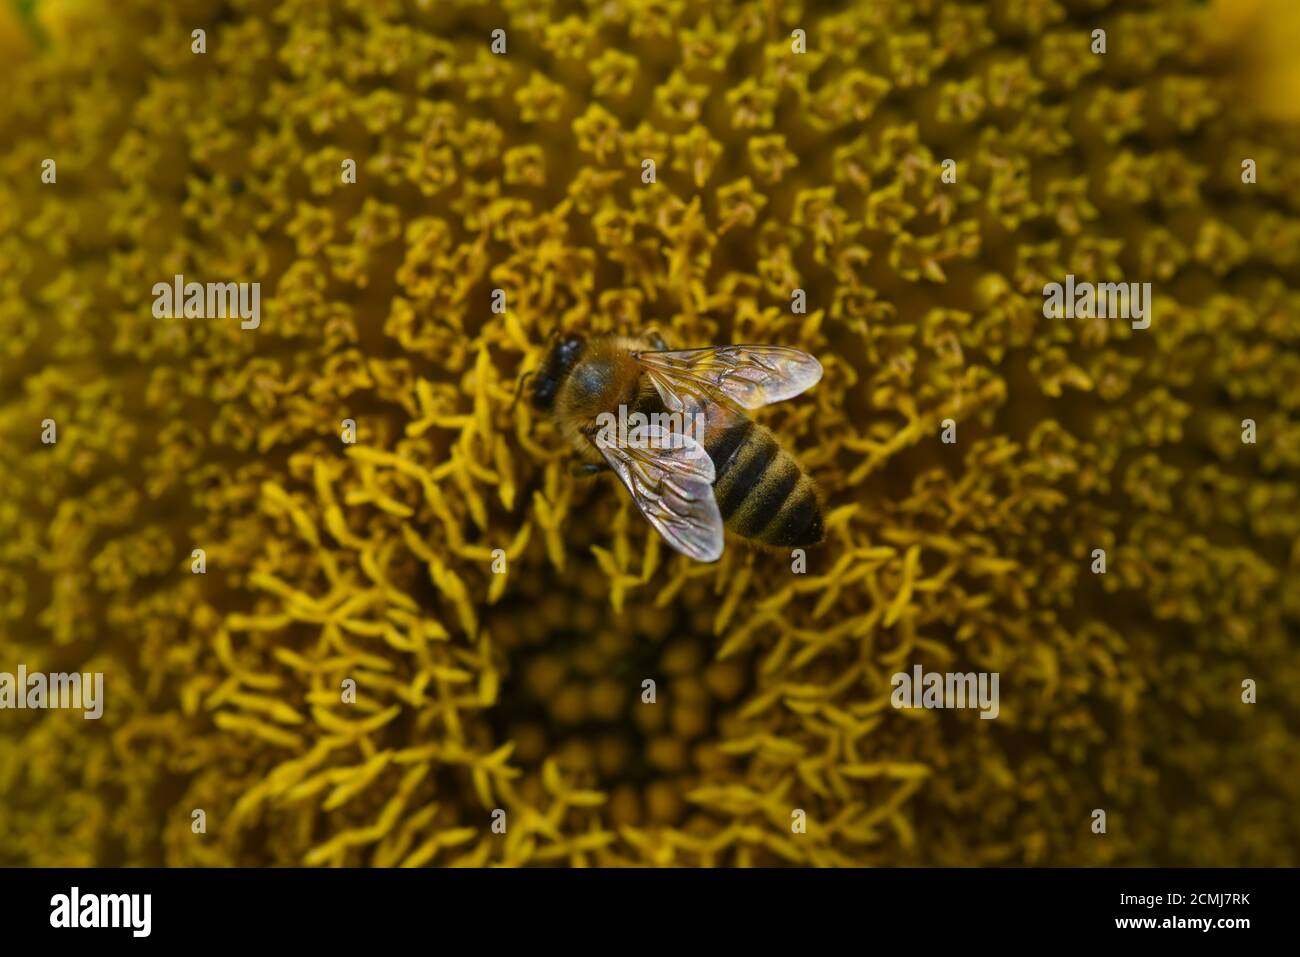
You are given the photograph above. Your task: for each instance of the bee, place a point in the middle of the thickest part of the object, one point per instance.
(694, 462)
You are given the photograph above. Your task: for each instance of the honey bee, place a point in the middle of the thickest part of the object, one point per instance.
(693, 461)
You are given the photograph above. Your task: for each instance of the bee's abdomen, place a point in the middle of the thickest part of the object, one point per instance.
(762, 492)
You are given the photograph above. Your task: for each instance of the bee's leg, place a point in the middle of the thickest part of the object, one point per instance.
(587, 469)
(657, 340)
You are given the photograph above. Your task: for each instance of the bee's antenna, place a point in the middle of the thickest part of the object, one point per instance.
(519, 387)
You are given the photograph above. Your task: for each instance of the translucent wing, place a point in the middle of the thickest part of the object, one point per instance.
(670, 477)
(748, 376)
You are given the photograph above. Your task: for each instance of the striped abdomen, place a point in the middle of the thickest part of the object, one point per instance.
(762, 492)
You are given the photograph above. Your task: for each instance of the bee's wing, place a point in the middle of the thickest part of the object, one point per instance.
(748, 376)
(670, 477)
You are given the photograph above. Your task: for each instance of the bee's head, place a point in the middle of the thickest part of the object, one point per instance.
(563, 354)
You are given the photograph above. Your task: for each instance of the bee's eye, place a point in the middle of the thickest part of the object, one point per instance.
(543, 392)
(566, 354)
